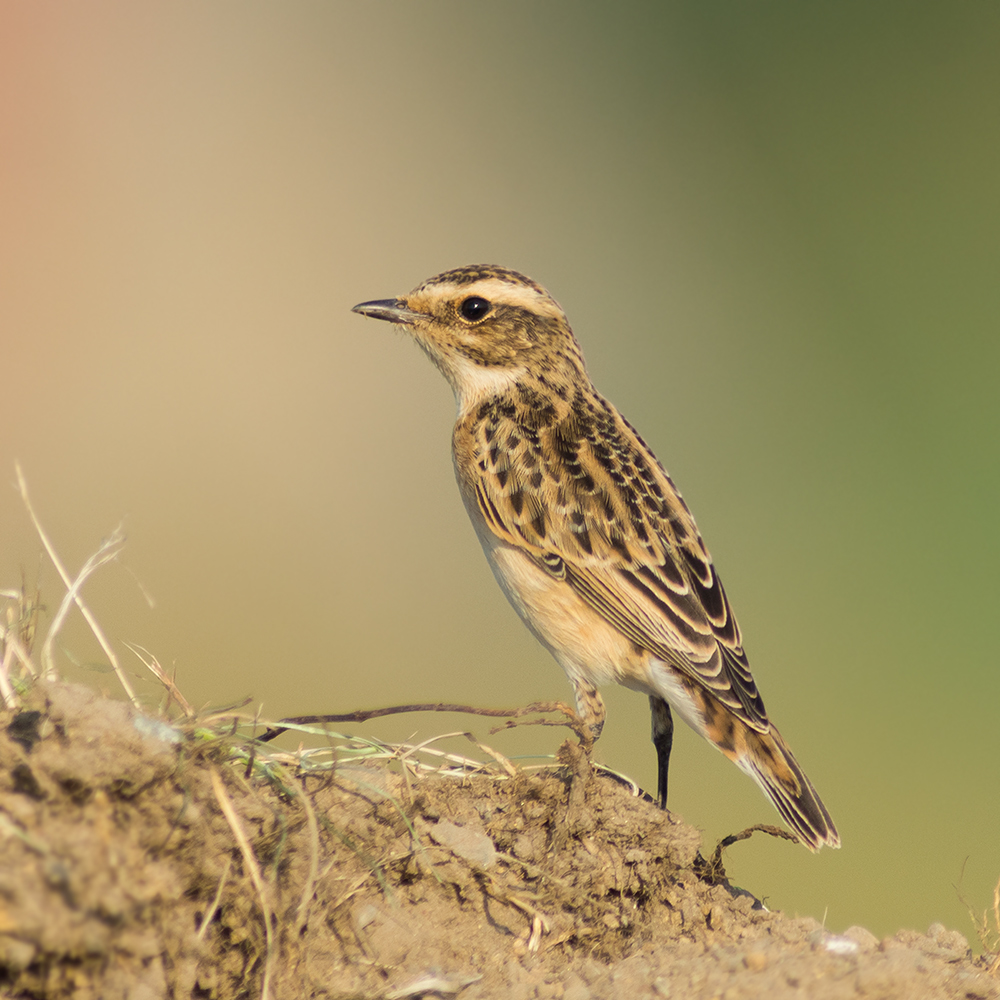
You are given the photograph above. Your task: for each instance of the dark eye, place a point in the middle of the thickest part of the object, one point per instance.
(474, 308)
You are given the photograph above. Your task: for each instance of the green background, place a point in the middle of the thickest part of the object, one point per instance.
(774, 227)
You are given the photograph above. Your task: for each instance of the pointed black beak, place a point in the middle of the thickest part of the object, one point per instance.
(393, 310)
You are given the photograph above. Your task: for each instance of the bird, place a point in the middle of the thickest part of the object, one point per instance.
(586, 533)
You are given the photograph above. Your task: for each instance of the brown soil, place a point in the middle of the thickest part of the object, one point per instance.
(139, 864)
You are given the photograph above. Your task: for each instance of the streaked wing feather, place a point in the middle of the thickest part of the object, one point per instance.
(607, 519)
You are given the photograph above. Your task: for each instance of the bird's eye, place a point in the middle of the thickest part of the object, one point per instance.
(474, 307)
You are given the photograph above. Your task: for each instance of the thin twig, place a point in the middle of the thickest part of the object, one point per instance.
(713, 872)
(363, 715)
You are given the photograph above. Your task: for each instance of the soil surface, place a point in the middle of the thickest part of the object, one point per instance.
(140, 861)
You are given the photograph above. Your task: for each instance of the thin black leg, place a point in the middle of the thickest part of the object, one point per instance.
(663, 740)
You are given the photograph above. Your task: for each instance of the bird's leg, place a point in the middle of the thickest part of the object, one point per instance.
(590, 713)
(663, 741)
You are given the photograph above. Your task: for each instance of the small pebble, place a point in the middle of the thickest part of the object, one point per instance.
(862, 937)
(838, 944)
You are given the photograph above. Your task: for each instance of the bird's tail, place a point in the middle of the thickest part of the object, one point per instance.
(768, 760)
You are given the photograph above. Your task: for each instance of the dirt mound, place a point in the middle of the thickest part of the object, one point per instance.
(140, 862)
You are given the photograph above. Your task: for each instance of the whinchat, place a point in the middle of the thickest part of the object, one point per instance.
(586, 533)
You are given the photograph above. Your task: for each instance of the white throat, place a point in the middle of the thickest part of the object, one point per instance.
(473, 384)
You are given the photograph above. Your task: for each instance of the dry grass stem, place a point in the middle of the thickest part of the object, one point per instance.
(995, 966)
(442, 986)
(210, 912)
(12, 644)
(500, 759)
(149, 661)
(253, 870)
(16, 639)
(302, 911)
(538, 921)
(411, 749)
(6, 688)
(108, 551)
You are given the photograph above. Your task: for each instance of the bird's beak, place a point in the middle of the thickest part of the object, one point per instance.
(394, 310)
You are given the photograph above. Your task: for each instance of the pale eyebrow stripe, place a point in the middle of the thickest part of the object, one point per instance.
(499, 291)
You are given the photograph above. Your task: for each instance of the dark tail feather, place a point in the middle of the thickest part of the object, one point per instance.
(773, 766)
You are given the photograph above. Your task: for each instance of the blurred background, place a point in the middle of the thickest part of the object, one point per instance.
(775, 230)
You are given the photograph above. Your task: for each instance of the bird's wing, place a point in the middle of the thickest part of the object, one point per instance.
(599, 512)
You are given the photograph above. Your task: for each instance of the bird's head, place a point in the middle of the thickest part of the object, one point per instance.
(485, 327)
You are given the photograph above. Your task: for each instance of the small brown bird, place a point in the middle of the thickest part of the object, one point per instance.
(586, 533)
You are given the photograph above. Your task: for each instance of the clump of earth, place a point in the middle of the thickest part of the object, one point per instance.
(139, 861)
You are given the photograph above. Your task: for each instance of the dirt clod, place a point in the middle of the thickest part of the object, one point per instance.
(123, 875)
